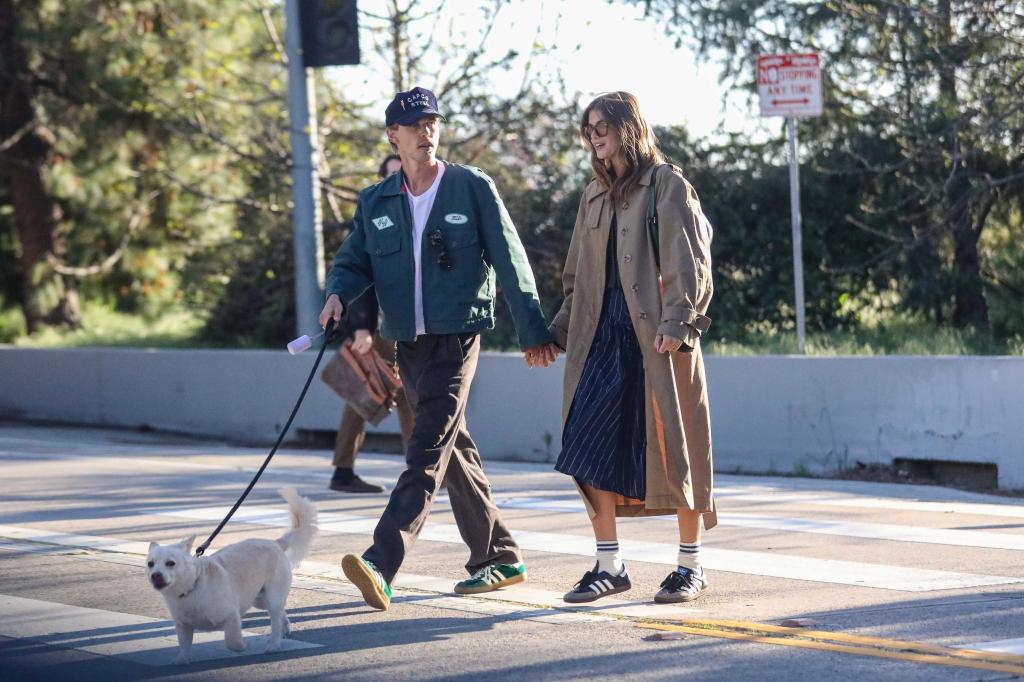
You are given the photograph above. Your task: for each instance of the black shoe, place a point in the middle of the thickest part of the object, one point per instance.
(682, 585)
(596, 584)
(355, 485)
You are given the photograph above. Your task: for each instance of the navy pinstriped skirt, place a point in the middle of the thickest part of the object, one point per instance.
(604, 442)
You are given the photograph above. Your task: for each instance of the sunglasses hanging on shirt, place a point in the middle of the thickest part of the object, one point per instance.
(444, 260)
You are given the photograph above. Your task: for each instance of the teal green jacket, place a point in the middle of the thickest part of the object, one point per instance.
(480, 240)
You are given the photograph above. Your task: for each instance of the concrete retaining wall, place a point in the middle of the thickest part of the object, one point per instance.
(769, 413)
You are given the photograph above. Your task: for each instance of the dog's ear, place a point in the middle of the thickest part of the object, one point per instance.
(187, 543)
(152, 546)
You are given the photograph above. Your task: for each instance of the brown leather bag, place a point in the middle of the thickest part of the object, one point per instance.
(364, 381)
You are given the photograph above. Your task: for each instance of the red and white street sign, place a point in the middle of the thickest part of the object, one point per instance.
(789, 85)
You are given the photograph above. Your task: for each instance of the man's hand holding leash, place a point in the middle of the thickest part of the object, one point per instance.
(333, 309)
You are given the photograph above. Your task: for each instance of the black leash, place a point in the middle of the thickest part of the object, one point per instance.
(328, 337)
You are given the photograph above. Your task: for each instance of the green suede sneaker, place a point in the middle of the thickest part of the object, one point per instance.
(492, 577)
(365, 576)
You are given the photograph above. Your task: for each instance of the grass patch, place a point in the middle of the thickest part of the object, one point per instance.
(12, 325)
(102, 326)
(904, 338)
(179, 328)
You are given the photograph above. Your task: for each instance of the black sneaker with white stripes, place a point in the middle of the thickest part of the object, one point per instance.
(682, 585)
(596, 584)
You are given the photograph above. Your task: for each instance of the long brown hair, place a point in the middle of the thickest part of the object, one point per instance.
(639, 143)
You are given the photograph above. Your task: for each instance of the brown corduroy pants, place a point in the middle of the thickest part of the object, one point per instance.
(437, 370)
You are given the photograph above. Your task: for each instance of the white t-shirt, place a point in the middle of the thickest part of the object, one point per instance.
(420, 207)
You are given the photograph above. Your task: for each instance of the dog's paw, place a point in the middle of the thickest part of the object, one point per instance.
(181, 659)
(273, 647)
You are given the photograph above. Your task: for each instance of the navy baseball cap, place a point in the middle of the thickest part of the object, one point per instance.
(408, 107)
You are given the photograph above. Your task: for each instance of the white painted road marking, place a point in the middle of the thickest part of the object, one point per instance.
(788, 496)
(753, 489)
(769, 564)
(108, 633)
(788, 524)
(1002, 646)
(520, 600)
(878, 531)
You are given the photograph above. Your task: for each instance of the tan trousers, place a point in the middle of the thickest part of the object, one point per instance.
(352, 431)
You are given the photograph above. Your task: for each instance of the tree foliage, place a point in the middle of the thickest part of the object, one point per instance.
(521, 138)
(924, 117)
(144, 156)
(155, 116)
(156, 134)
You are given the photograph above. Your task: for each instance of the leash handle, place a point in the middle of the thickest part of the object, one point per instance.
(328, 337)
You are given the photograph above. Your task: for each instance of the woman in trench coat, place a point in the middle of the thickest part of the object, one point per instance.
(636, 434)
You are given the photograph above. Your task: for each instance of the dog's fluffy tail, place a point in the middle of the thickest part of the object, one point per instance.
(295, 542)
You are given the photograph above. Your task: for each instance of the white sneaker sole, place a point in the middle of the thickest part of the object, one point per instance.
(587, 597)
(514, 580)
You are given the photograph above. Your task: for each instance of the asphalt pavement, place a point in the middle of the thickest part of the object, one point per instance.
(810, 578)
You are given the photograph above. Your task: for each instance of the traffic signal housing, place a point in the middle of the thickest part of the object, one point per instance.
(330, 32)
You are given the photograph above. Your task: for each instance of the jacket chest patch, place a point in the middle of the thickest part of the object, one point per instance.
(382, 223)
(456, 219)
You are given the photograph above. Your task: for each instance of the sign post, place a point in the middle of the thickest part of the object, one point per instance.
(789, 85)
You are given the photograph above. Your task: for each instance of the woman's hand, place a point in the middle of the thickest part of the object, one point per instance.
(666, 344)
(363, 341)
(541, 356)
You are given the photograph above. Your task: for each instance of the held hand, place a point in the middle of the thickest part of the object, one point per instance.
(363, 341)
(541, 356)
(666, 344)
(333, 308)
(551, 351)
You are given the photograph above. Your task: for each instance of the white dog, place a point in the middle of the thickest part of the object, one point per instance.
(212, 593)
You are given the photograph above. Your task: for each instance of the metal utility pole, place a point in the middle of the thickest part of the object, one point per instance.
(798, 244)
(308, 239)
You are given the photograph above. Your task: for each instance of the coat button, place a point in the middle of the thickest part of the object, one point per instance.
(625, 204)
(635, 288)
(378, 252)
(643, 315)
(623, 231)
(627, 258)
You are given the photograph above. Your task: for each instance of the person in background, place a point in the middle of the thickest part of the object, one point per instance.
(636, 434)
(360, 324)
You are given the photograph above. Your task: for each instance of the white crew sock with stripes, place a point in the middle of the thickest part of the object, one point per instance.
(689, 556)
(608, 556)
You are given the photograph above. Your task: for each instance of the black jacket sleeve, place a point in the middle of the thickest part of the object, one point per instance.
(361, 314)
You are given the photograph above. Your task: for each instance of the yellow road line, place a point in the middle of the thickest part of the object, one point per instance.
(862, 640)
(851, 644)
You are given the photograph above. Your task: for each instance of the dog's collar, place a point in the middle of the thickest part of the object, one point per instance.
(190, 590)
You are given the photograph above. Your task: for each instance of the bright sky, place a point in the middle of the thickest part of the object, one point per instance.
(598, 46)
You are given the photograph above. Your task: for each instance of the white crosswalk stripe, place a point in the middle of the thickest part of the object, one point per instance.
(772, 564)
(328, 578)
(1002, 646)
(873, 531)
(150, 641)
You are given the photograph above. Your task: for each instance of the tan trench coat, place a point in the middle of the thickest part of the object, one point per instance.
(679, 468)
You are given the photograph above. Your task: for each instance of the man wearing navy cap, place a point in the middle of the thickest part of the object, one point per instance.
(430, 240)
